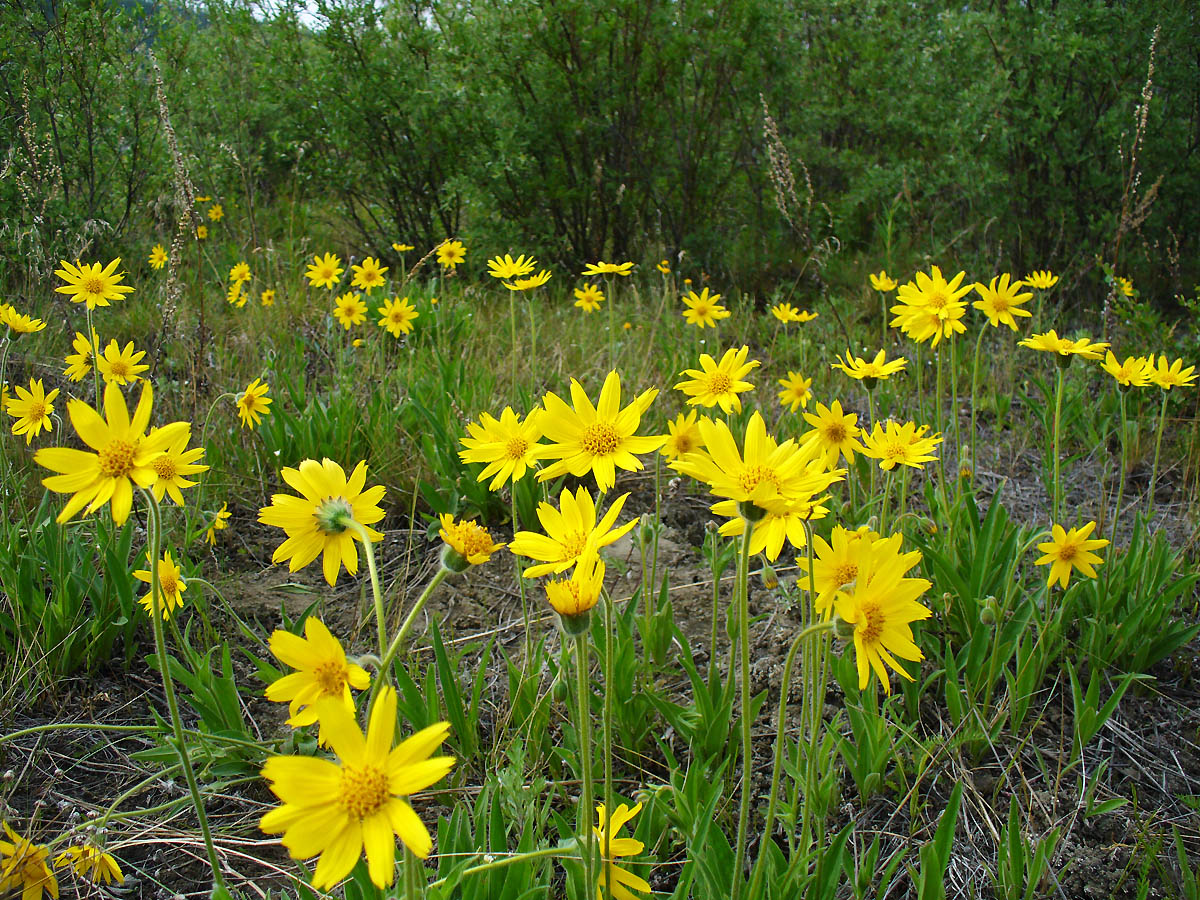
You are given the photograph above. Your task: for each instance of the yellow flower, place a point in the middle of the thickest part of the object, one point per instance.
(1133, 372)
(572, 532)
(158, 256)
(322, 672)
(882, 282)
(450, 254)
(1001, 302)
(589, 297)
(402, 247)
(268, 297)
(215, 213)
(785, 524)
(467, 543)
(235, 295)
(805, 316)
(203, 199)
(23, 867)
(254, 403)
(171, 587)
(369, 275)
(931, 307)
(664, 266)
(683, 436)
(796, 391)
(1069, 550)
(508, 446)
(597, 439)
(1042, 279)
(31, 408)
(785, 312)
(220, 523)
(20, 324)
(124, 455)
(240, 272)
(318, 521)
(1064, 347)
(528, 284)
(201, 232)
(605, 268)
(339, 809)
(718, 384)
(617, 879)
(92, 283)
(1125, 286)
(397, 316)
(836, 564)
(121, 365)
(91, 863)
(506, 268)
(576, 596)
(1172, 374)
(834, 432)
(79, 363)
(899, 445)
(878, 368)
(324, 271)
(173, 464)
(349, 309)
(703, 309)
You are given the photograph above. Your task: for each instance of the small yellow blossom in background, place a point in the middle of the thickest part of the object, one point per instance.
(1070, 550)
(324, 271)
(357, 342)
(797, 390)
(703, 309)
(589, 297)
(32, 409)
(20, 324)
(433, 301)
(687, 281)
(1133, 372)
(254, 403)
(718, 384)
(240, 272)
(1172, 374)
(506, 268)
(91, 863)
(402, 248)
(664, 266)
(683, 436)
(785, 313)
(173, 464)
(362, 802)
(450, 254)
(235, 296)
(1125, 286)
(322, 672)
(931, 307)
(611, 874)
(899, 445)
(171, 587)
(397, 315)
(467, 543)
(883, 282)
(833, 431)
(508, 446)
(201, 232)
(805, 316)
(79, 363)
(215, 213)
(1041, 279)
(268, 297)
(317, 523)
(528, 284)
(605, 268)
(92, 283)
(572, 533)
(158, 259)
(628, 326)
(349, 309)
(204, 199)
(369, 275)
(877, 369)
(1001, 301)
(1050, 342)
(119, 365)
(220, 523)
(23, 867)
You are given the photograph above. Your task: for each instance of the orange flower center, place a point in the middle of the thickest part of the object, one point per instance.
(600, 439)
(1067, 552)
(845, 573)
(683, 443)
(835, 432)
(870, 625)
(93, 285)
(516, 448)
(752, 476)
(164, 467)
(573, 544)
(364, 790)
(168, 583)
(119, 368)
(719, 383)
(116, 459)
(475, 540)
(331, 676)
(37, 411)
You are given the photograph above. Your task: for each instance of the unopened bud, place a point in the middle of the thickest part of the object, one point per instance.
(770, 580)
(842, 629)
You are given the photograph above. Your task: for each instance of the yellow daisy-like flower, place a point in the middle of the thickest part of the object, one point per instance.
(20, 324)
(589, 297)
(338, 809)
(369, 275)
(572, 532)
(1125, 286)
(450, 254)
(79, 363)
(1070, 550)
(797, 390)
(324, 271)
(318, 522)
(785, 313)
(467, 543)
(528, 284)
(506, 268)
(240, 272)
(220, 523)
(597, 439)
(718, 384)
(1001, 301)
(254, 403)
(1169, 375)
(92, 283)
(120, 365)
(883, 282)
(215, 213)
(349, 309)
(773, 530)
(805, 316)
(899, 445)
(683, 436)
(508, 446)
(618, 880)
(158, 259)
(268, 297)
(877, 369)
(833, 431)
(836, 564)
(1133, 372)
(23, 867)
(397, 315)
(1042, 279)
(124, 455)
(203, 199)
(235, 296)
(1050, 342)
(703, 309)
(931, 307)
(31, 408)
(606, 268)
(401, 247)
(91, 863)
(576, 596)
(322, 672)
(201, 232)
(664, 266)
(175, 462)
(171, 587)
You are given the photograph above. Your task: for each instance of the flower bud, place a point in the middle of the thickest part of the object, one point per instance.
(770, 580)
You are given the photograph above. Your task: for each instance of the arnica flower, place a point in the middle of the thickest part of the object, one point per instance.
(20, 324)
(506, 268)
(254, 403)
(683, 436)
(32, 409)
(317, 523)
(397, 315)
(834, 432)
(1168, 375)
(1066, 348)
(703, 309)
(837, 562)
(572, 532)
(338, 809)
(877, 369)
(240, 272)
(804, 316)
(508, 446)
(574, 598)
(605, 268)
(203, 199)
(124, 455)
(589, 297)
(23, 867)
(466, 543)
(612, 875)
(772, 531)
(235, 296)
(175, 462)
(322, 672)
(797, 390)
(664, 266)
(220, 523)
(1042, 279)
(1070, 550)
(1133, 372)
(899, 445)
(92, 283)
(1001, 301)
(369, 275)
(883, 282)
(597, 439)
(785, 312)
(201, 232)
(931, 307)
(121, 365)
(718, 384)
(450, 254)
(79, 363)
(528, 284)
(349, 309)
(324, 271)
(401, 247)
(215, 213)
(171, 587)
(1125, 286)
(158, 256)
(268, 297)
(91, 863)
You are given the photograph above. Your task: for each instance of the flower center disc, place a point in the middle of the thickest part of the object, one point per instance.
(117, 458)
(871, 626)
(164, 467)
(94, 286)
(600, 439)
(835, 432)
(719, 383)
(37, 412)
(846, 573)
(752, 476)
(364, 791)
(331, 676)
(516, 448)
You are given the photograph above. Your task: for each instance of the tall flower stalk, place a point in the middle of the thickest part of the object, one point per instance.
(750, 516)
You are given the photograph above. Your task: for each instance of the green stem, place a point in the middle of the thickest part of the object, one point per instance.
(520, 580)
(974, 390)
(1112, 531)
(94, 340)
(194, 508)
(376, 593)
(937, 412)
(871, 470)
(954, 410)
(560, 852)
(1162, 418)
(713, 675)
(512, 332)
(533, 344)
(390, 654)
(609, 639)
(741, 592)
(582, 692)
(412, 876)
(1056, 499)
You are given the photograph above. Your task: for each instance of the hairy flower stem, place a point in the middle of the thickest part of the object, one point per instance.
(194, 508)
(512, 333)
(398, 640)
(937, 412)
(1162, 419)
(871, 470)
(1056, 499)
(154, 527)
(741, 598)
(376, 593)
(612, 334)
(533, 357)
(584, 729)
(954, 409)
(1112, 531)
(520, 585)
(610, 636)
(974, 389)
(512, 859)
(814, 703)
(412, 876)
(94, 340)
